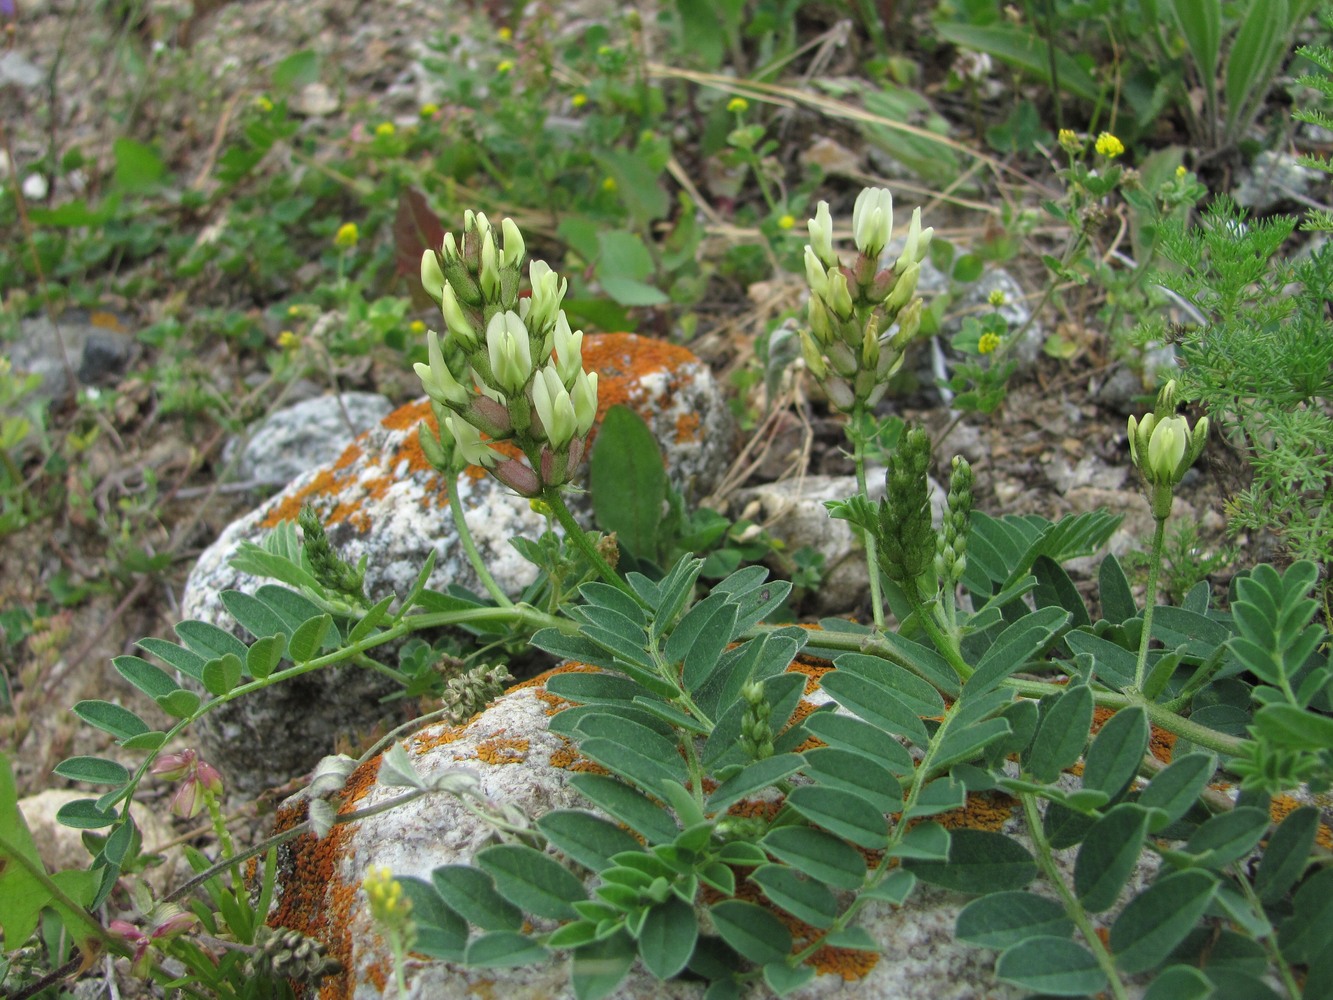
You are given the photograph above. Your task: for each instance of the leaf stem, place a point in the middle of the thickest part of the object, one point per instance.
(1154, 569)
(574, 531)
(854, 431)
(470, 546)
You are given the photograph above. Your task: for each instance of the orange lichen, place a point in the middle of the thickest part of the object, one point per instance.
(983, 811)
(569, 759)
(428, 740)
(503, 750)
(1161, 744)
(812, 668)
(849, 963)
(687, 428)
(1282, 805)
(754, 807)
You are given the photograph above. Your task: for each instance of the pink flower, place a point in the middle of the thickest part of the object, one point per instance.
(199, 777)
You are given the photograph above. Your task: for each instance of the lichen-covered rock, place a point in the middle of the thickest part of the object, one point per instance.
(521, 763)
(380, 498)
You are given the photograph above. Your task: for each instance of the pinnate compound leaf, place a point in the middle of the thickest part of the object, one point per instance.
(209, 641)
(804, 898)
(851, 772)
(667, 937)
(862, 739)
(144, 676)
(753, 778)
(1014, 647)
(1055, 966)
(755, 933)
(1308, 932)
(471, 894)
(85, 814)
(1004, 919)
(1227, 836)
(1287, 854)
(589, 840)
(255, 616)
(441, 933)
(1114, 757)
(1174, 790)
(1159, 918)
(820, 855)
(1108, 855)
(503, 950)
(979, 862)
(186, 661)
(843, 813)
(531, 880)
(627, 805)
(1061, 735)
(876, 704)
(119, 722)
(93, 770)
(918, 695)
(597, 968)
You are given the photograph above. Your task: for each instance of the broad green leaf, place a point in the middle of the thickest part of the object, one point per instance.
(1061, 735)
(692, 625)
(471, 894)
(918, 695)
(597, 969)
(925, 842)
(223, 673)
(603, 595)
(1004, 919)
(589, 840)
(703, 657)
(1179, 982)
(296, 71)
(671, 715)
(782, 978)
(1113, 589)
(874, 703)
(292, 609)
(927, 663)
(941, 795)
(628, 481)
(93, 770)
(1107, 857)
(842, 813)
(595, 689)
(119, 722)
(1056, 589)
(1287, 854)
(782, 692)
(666, 940)
(531, 880)
(1013, 648)
(820, 855)
(855, 937)
(186, 661)
(265, 654)
(631, 807)
(1113, 760)
(306, 642)
(753, 778)
(370, 621)
(963, 743)
(755, 933)
(254, 615)
(641, 768)
(979, 862)
(1308, 933)
(630, 734)
(209, 641)
(180, 704)
(503, 950)
(1201, 23)
(804, 898)
(85, 814)
(629, 650)
(143, 675)
(1114, 665)
(852, 772)
(1289, 726)
(1055, 966)
(441, 933)
(1228, 836)
(895, 889)
(1157, 919)
(139, 168)
(861, 738)
(572, 935)
(1174, 790)
(689, 813)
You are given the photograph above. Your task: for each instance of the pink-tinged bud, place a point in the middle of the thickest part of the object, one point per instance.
(518, 477)
(208, 777)
(189, 800)
(174, 766)
(125, 929)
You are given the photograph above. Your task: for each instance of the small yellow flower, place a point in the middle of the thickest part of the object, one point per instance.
(416, 327)
(578, 100)
(1109, 146)
(293, 310)
(505, 34)
(604, 50)
(288, 341)
(1181, 171)
(997, 297)
(263, 103)
(608, 183)
(738, 105)
(347, 235)
(429, 110)
(505, 66)
(1068, 140)
(786, 221)
(385, 129)
(988, 343)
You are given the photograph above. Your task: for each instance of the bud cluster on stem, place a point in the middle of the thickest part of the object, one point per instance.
(862, 317)
(509, 368)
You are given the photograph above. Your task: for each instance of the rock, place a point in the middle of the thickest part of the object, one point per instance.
(521, 765)
(383, 500)
(18, 70)
(1275, 177)
(793, 510)
(316, 100)
(96, 345)
(299, 438)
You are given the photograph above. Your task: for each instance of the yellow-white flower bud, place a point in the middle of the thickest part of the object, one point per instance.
(821, 236)
(585, 401)
(839, 296)
(554, 407)
(432, 278)
(468, 441)
(917, 245)
(567, 350)
(815, 275)
(489, 278)
(436, 379)
(872, 221)
(514, 247)
(1166, 447)
(456, 320)
(814, 360)
(903, 289)
(548, 290)
(509, 352)
(449, 248)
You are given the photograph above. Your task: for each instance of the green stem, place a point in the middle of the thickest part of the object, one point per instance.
(1072, 906)
(872, 558)
(575, 533)
(470, 547)
(1154, 569)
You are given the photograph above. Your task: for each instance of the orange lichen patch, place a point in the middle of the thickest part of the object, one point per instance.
(984, 811)
(569, 759)
(314, 899)
(483, 990)
(408, 416)
(687, 428)
(812, 668)
(572, 666)
(1161, 744)
(423, 742)
(503, 750)
(848, 963)
(1282, 805)
(378, 975)
(753, 807)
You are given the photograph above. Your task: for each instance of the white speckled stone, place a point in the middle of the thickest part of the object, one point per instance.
(381, 499)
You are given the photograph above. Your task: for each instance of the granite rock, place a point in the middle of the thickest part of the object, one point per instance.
(96, 346)
(381, 499)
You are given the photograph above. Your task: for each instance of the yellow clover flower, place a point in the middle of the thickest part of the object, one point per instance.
(416, 327)
(988, 343)
(288, 341)
(505, 34)
(786, 222)
(429, 110)
(347, 236)
(997, 297)
(578, 100)
(1068, 140)
(504, 66)
(1109, 146)
(263, 104)
(738, 105)
(608, 184)
(385, 129)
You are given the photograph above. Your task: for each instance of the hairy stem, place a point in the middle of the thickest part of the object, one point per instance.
(470, 546)
(574, 531)
(872, 558)
(1150, 601)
